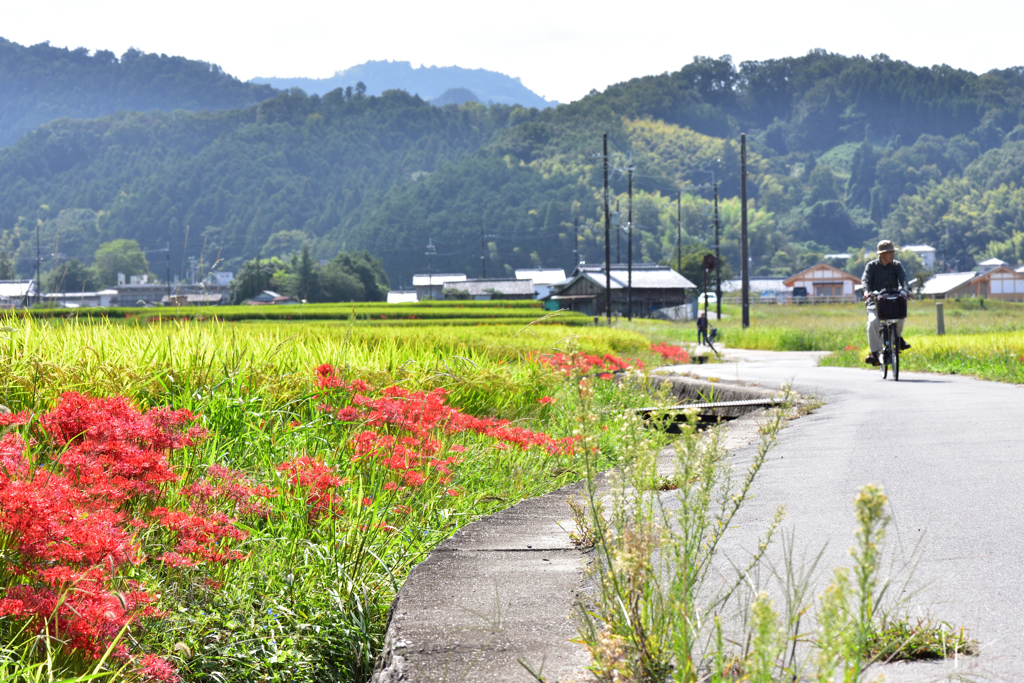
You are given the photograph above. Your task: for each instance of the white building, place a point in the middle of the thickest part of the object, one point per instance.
(991, 264)
(17, 293)
(432, 286)
(402, 297)
(925, 253)
(543, 279)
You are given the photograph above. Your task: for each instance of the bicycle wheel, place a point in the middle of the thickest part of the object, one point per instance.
(885, 351)
(896, 356)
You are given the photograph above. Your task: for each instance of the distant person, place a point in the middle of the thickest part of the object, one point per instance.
(884, 273)
(702, 329)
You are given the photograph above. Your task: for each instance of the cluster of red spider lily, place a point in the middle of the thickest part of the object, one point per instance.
(73, 500)
(87, 491)
(570, 364)
(412, 434)
(676, 354)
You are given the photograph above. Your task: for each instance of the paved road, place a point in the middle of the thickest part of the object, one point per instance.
(948, 451)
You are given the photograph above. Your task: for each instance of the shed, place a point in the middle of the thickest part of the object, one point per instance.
(543, 279)
(824, 280)
(431, 286)
(490, 289)
(947, 285)
(654, 286)
(402, 297)
(17, 293)
(1001, 283)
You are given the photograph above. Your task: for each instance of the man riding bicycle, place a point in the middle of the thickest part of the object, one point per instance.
(883, 273)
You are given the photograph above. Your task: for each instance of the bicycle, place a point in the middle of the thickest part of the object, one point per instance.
(890, 308)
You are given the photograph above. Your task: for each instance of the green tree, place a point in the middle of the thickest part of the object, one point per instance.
(254, 277)
(6, 267)
(72, 276)
(119, 256)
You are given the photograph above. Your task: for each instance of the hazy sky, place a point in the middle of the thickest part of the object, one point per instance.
(559, 49)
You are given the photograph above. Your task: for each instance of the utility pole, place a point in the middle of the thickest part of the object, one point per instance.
(576, 243)
(38, 260)
(679, 232)
(483, 262)
(168, 250)
(617, 222)
(607, 240)
(431, 250)
(745, 249)
(718, 260)
(629, 249)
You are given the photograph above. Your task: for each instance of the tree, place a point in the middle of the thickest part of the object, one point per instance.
(306, 283)
(6, 268)
(119, 256)
(72, 276)
(253, 278)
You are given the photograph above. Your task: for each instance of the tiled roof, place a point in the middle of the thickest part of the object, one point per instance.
(493, 286)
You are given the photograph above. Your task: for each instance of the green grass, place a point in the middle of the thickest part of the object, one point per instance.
(983, 339)
(377, 314)
(309, 601)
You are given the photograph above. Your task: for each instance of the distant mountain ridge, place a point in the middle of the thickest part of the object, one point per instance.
(39, 84)
(429, 82)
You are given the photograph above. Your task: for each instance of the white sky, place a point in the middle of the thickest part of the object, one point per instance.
(560, 49)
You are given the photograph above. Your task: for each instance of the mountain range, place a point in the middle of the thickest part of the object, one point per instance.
(841, 151)
(429, 82)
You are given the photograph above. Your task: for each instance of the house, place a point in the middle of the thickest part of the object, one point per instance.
(925, 253)
(991, 264)
(947, 285)
(219, 278)
(203, 299)
(101, 299)
(490, 289)
(17, 293)
(269, 298)
(654, 287)
(1001, 282)
(402, 297)
(432, 286)
(823, 281)
(543, 279)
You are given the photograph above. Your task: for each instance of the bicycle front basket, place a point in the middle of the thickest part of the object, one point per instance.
(891, 306)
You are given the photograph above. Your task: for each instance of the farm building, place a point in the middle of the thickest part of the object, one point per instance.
(1000, 283)
(654, 287)
(17, 293)
(490, 289)
(544, 279)
(823, 281)
(431, 286)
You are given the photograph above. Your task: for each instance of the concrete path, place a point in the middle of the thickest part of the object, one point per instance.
(948, 451)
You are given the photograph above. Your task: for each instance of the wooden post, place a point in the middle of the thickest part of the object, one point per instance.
(940, 321)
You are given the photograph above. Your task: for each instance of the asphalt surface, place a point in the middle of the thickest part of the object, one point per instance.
(947, 449)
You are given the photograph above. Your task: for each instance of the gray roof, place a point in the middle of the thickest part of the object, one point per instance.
(505, 286)
(645, 276)
(15, 289)
(945, 282)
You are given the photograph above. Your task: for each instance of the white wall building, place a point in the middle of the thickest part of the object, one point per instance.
(543, 279)
(924, 252)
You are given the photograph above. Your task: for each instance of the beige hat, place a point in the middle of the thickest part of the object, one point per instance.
(886, 245)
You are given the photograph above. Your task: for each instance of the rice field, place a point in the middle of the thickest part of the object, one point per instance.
(203, 501)
(983, 339)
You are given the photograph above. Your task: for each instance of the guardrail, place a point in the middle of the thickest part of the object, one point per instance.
(789, 299)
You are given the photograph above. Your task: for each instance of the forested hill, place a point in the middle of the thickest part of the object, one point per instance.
(841, 151)
(430, 83)
(41, 83)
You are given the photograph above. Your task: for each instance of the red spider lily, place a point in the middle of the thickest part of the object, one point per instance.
(317, 479)
(673, 353)
(14, 418)
(582, 363)
(229, 490)
(153, 668)
(545, 400)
